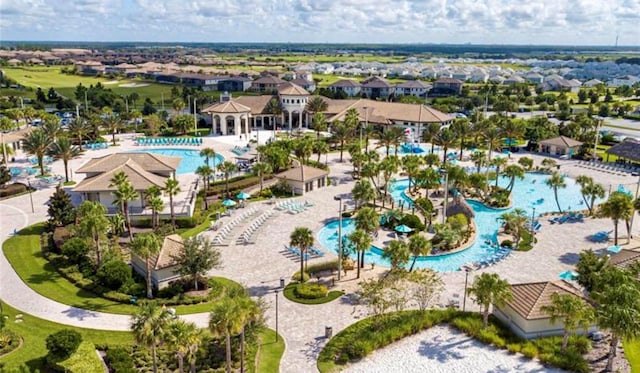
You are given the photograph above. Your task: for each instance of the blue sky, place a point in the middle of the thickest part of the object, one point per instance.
(565, 22)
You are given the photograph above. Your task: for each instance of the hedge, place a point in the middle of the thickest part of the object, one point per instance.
(237, 183)
(12, 190)
(84, 360)
(310, 291)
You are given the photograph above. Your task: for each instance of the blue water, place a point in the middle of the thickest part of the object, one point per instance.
(409, 149)
(191, 159)
(527, 193)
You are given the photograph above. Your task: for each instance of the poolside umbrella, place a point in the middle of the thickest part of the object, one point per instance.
(614, 249)
(403, 229)
(228, 203)
(243, 195)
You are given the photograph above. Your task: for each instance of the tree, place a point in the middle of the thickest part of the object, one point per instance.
(368, 220)
(341, 133)
(555, 182)
(362, 192)
(361, 241)
(618, 308)
(426, 207)
(411, 165)
(63, 343)
(61, 211)
(514, 222)
(178, 105)
(182, 337)
(260, 169)
(445, 138)
(425, 285)
(619, 206)
(63, 149)
(590, 191)
(124, 194)
(526, 163)
(428, 178)
(302, 238)
(146, 245)
(51, 126)
(418, 246)
(429, 134)
(172, 188)
(225, 320)
(113, 124)
(572, 311)
(208, 154)
(512, 172)
(498, 163)
(149, 326)
(397, 252)
(488, 289)
(205, 173)
(589, 267)
(479, 158)
(197, 257)
(227, 168)
(461, 128)
(320, 147)
(388, 166)
(36, 143)
(6, 125)
(94, 224)
(182, 123)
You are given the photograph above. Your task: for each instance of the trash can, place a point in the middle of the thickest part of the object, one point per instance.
(281, 282)
(328, 332)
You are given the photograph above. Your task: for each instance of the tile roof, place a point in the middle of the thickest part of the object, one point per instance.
(257, 104)
(376, 82)
(414, 84)
(448, 81)
(295, 174)
(171, 247)
(529, 298)
(227, 107)
(292, 89)
(148, 161)
(629, 149)
(345, 83)
(382, 112)
(625, 257)
(139, 178)
(269, 79)
(561, 141)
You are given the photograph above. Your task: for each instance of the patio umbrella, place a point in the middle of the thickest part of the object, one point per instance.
(569, 275)
(403, 229)
(614, 249)
(243, 195)
(228, 203)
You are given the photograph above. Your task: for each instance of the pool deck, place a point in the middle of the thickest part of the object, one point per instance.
(260, 266)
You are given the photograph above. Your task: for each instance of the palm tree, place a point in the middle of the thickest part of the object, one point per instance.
(418, 246)
(172, 188)
(260, 169)
(178, 105)
(512, 129)
(146, 245)
(590, 191)
(78, 129)
(124, 194)
(94, 224)
(118, 225)
(63, 149)
(316, 104)
(619, 206)
(250, 313)
(6, 125)
(488, 289)
(492, 136)
(361, 241)
(445, 138)
(428, 178)
(149, 325)
(526, 163)
(397, 252)
(113, 124)
(274, 108)
(498, 163)
(512, 172)
(227, 168)
(429, 134)
(208, 154)
(341, 133)
(411, 165)
(461, 128)
(479, 158)
(572, 311)
(51, 127)
(396, 134)
(225, 320)
(320, 147)
(156, 204)
(555, 182)
(426, 207)
(182, 337)
(388, 167)
(362, 192)
(514, 222)
(36, 143)
(205, 173)
(302, 238)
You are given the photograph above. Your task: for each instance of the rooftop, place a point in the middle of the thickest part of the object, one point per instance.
(529, 298)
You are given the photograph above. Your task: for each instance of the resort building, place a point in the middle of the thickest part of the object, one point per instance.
(142, 169)
(416, 88)
(350, 88)
(163, 267)
(447, 86)
(229, 118)
(267, 84)
(303, 179)
(524, 314)
(560, 146)
(376, 87)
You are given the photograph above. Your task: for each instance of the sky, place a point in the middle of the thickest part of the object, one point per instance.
(549, 22)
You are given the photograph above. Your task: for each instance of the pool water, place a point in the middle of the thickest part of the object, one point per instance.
(191, 159)
(527, 193)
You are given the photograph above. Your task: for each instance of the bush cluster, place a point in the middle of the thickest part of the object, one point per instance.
(310, 291)
(63, 343)
(119, 360)
(412, 221)
(12, 189)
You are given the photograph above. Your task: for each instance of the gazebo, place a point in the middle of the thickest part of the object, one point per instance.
(229, 118)
(629, 150)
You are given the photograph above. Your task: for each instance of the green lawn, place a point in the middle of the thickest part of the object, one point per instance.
(23, 252)
(289, 293)
(632, 351)
(270, 352)
(34, 331)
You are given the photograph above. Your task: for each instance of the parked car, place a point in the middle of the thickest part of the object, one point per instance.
(596, 336)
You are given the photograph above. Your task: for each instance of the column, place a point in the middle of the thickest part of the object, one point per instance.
(300, 119)
(290, 121)
(223, 126)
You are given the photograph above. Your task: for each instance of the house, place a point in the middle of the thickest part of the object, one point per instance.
(534, 78)
(416, 88)
(514, 79)
(234, 84)
(524, 313)
(376, 87)
(479, 77)
(122, 68)
(446, 87)
(620, 81)
(557, 83)
(560, 145)
(142, 169)
(303, 179)
(349, 87)
(592, 83)
(163, 266)
(267, 84)
(308, 85)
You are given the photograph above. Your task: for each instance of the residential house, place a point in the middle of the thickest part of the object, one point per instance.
(557, 83)
(514, 79)
(534, 78)
(620, 81)
(376, 87)
(234, 84)
(164, 269)
(592, 83)
(349, 87)
(308, 85)
(267, 84)
(446, 87)
(416, 88)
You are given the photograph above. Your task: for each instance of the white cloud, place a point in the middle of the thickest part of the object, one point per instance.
(388, 21)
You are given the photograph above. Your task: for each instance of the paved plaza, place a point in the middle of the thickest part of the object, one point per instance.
(260, 266)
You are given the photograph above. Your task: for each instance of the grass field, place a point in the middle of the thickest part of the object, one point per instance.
(270, 352)
(632, 352)
(34, 331)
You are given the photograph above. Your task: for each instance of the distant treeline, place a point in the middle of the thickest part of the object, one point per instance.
(629, 60)
(452, 50)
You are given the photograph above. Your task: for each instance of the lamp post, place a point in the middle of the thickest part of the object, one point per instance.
(366, 122)
(595, 142)
(446, 195)
(533, 218)
(466, 280)
(195, 118)
(339, 199)
(276, 292)
(30, 196)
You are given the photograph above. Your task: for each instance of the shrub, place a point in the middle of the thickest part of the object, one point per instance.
(529, 350)
(63, 343)
(296, 277)
(12, 189)
(171, 291)
(506, 243)
(310, 291)
(514, 347)
(324, 266)
(83, 360)
(76, 249)
(412, 221)
(119, 360)
(60, 235)
(114, 273)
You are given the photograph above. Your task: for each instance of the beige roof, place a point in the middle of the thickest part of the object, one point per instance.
(292, 89)
(561, 141)
(138, 177)
(171, 247)
(528, 299)
(382, 112)
(147, 161)
(227, 107)
(625, 257)
(256, 103)
(295, 174)
(17, 135)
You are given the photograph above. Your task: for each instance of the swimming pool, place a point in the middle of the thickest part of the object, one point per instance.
(527, 194)
(191, 159)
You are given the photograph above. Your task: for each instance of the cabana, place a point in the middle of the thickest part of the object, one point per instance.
(628, 150)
